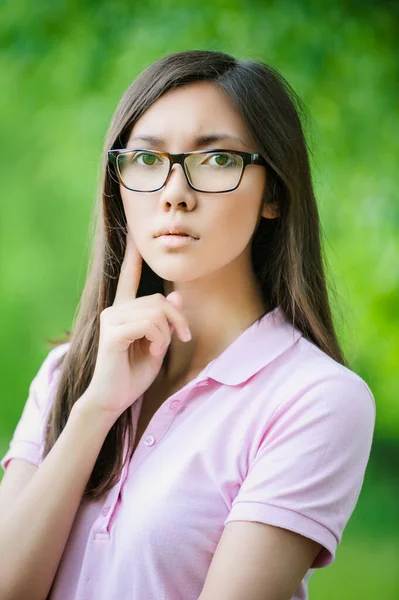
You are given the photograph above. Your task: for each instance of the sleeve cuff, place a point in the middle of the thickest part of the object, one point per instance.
(288, 519)
(22, 449)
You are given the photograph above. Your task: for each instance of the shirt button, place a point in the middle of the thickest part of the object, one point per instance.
(149, 440)
(105, 510)
(175, 405)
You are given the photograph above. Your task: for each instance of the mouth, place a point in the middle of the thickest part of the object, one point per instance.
(174, 240)
(176, 233)
(176, 230)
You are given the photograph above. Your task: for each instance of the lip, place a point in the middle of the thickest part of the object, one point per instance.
(175, 241)
(176, 229)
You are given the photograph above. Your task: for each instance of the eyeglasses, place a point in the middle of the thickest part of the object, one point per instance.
(144, 170)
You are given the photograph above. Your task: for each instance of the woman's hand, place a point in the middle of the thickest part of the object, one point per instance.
(134, 337)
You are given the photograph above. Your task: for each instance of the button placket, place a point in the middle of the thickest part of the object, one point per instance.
(164, 420)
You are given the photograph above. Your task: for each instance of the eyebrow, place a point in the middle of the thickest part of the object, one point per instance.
(202, 140)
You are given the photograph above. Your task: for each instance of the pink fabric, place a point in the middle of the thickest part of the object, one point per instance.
(273, 430)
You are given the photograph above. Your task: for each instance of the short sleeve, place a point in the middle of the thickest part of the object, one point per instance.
(28, 438)
(308, 471)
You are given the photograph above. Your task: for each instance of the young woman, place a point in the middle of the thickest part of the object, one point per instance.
(198, 435)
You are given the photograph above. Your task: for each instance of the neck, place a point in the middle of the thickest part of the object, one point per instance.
(216, 318)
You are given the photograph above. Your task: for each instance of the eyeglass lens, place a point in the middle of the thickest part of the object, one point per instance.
(210, 172)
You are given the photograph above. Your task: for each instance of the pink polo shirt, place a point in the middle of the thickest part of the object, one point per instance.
(272, 430)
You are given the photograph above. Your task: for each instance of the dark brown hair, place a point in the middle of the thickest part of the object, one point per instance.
(286, 251)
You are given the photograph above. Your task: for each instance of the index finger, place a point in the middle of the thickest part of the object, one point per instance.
(129, 277)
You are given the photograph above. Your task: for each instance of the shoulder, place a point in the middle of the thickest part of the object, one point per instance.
(313, 381)
(319, 367)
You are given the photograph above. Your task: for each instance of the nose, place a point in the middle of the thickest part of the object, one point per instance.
(176, 188)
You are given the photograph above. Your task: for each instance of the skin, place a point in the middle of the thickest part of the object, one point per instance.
(214, 276)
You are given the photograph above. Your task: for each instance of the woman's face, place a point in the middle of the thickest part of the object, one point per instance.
(224, 223)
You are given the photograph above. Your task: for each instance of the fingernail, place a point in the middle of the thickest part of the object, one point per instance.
(187, 334)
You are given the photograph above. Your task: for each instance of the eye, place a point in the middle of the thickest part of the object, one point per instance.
(220, 160)
(147, 159)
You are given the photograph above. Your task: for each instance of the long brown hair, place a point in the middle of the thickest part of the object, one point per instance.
(286, 251)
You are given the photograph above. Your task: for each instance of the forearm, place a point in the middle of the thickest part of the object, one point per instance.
(34, 534)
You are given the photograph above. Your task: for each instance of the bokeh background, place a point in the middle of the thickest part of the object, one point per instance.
(64, 66)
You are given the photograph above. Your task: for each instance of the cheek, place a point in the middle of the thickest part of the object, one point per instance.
(240, 213)
(138, 221)
(234, 227)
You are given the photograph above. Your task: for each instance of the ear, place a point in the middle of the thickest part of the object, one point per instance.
(270, 210)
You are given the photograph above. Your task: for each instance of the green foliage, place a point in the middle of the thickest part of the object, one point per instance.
(63, 68)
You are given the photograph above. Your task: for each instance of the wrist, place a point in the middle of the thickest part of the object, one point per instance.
(87, 408)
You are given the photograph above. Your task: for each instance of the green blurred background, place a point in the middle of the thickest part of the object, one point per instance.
(63, 68)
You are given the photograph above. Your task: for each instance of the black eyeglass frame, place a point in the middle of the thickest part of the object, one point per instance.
(249, 158)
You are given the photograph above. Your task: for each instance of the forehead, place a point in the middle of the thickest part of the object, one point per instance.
(185, 112)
